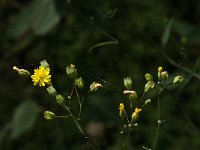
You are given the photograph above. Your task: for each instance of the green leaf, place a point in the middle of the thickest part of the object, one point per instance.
(183, 28)
(46, 16)
(167, 32)
(102, 44)
(24, 118)
(23, 22)
(40, 16)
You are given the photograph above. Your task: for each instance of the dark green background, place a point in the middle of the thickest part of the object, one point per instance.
(139, 35)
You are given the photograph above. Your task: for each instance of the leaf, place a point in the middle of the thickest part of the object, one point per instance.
(46, 16)
(167, 32)
(102, 44)
(24, 118)
(183, 28)
(40, 15)
(23, 22)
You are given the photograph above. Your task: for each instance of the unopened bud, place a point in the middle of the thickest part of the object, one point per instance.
(160, 69)
(60, 99)
(22, 72)
(44, 64)
(148, 101)
(51, 90)
(178, 79)
(133, 96)
(95, 86)
(148, 77)
(71, 71)
(128, 83)
(49, 115)
(79, 83)
(149, 85)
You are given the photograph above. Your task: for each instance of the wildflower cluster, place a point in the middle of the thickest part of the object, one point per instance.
(129, 110)
(136, 106)
(42, 78)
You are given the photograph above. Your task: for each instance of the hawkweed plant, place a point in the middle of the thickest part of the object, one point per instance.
(129, 114)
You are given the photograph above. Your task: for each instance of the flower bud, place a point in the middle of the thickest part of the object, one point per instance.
(160, 69)
(95, 86)
(51, 90)
(164, 75)
(148, 77)
(128, 83)
(121, 111)
(148, 101)
(135, 114)
(49, 115)
(132, 96)
(71, 71)
(44, 64)
(22, 72)
(178, 79)
(149, 85)
(60, 99)
(79, 83)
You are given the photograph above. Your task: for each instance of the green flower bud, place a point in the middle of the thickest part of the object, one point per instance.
(95, 86)
(79, 83)
(178, 79)
(22, 72)
(51, 90)
(148, 77)
(71, 71)
(149, 85)
(128, 83)
(148, 101)
(133, 96)
(44, 64)
(164, 75)
(160, 69)
(60, 99)
(49, 115)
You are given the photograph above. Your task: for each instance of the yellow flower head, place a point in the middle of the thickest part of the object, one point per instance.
(121, 107)
(160, 69)
(137, 110)
(41, 76)
(135, 114)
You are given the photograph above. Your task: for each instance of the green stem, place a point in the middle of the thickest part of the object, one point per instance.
(156, 137)
(127, 117)
(128, 135)
(158, 126)
(79, 101)
(142, 98)
(62, 116)
(80, 127)
(158, 107)
(69, 97)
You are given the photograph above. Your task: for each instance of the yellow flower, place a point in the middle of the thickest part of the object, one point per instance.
(137, 110)
(41, 76)
(121, 111)
(121, 107)
(135, 114)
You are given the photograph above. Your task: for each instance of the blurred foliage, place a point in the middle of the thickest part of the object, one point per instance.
(107, 40)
